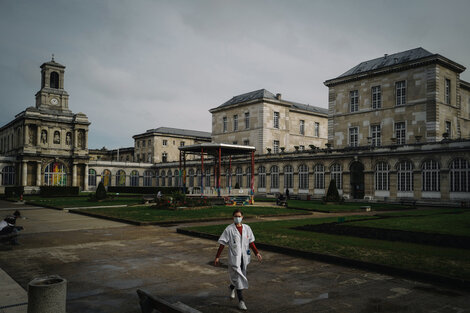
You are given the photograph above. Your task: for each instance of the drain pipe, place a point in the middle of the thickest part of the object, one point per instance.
(47, 294)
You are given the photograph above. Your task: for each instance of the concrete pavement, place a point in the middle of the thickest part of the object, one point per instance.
(106, 262)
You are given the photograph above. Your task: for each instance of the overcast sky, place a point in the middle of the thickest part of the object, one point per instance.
(136, 65)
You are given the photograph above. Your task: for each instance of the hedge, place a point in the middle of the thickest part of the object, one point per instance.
(143, 190)
(51, 191)
(12, 191)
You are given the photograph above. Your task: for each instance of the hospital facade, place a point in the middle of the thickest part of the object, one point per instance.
(397, 127)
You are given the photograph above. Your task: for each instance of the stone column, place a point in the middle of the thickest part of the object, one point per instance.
(24, 174)
(445, 184)
(369, 187)
(38, 136)
(38, 174)
(393, 184)
(85, 140)
(85, 183)
(417, 184)
(347, 184)
(26, 135)
(74, 174)
(75, 138)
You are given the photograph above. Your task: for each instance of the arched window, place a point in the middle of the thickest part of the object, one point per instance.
(319, 175)
(162, 175)
(382, 177)
(55, 174)
(148, 175)
(261, 177)
(248, 176)
(54, 80)
(239, 177)
(170, 180)
(177, 179)
(120, 178)
(288, 176)
(198, 177)
(8, 175)
(134, 178)
(405, 176)
(191, 177)
(431, 176)
(106, 177)
(459, 175)
(91, 177)
(228, 178)
(207, 178)
(336, 173)
(303, 176)
(274, 177)
(157, 178)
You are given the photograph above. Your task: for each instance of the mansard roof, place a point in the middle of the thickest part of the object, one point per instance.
(178, 132)
(263, 94)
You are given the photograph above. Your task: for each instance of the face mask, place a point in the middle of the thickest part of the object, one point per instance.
(237, 220)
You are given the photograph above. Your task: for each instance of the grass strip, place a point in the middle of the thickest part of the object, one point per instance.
(343, 207)
(72, 202)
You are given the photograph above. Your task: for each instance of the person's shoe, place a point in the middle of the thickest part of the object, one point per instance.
(232, 293)
(242, 306)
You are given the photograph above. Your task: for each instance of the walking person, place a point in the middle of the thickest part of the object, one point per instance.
(239, 238)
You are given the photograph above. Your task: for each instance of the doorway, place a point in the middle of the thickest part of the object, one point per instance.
(357, 180)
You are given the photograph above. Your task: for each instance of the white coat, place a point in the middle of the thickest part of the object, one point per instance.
(239, 247)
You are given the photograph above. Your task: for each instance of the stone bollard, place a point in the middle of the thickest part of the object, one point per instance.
(47, 294)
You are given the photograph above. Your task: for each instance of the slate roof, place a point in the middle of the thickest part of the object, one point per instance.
(265, 94)
(388, 60)
(180, 132)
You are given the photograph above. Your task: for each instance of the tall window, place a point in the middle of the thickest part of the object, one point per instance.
(143, 143)
(376, 135)
(400, 133)
(376, 97)
(460, 175)
(247, 120)
(120, 178)
(169, 177)
(400, 92)
(248, 177)
(431, 176)
(382, 178)
(134, 178)
(165, 142)
(228, 178)
(276, 120)
(354, 101)
(224, 123)
(207, 178)
(336, 173)
(261, 177)
(178, 179)
(303, 176)
(319, 176)
(148, 178)
(353, 136)
(8, 175)
(91, 177)
(198, 177)
(276, 146)
(302, 127)
(449, 129)
(157, 178)
(239, 177)
(164, 157)
(235, 122)
(405, 176)
(275, 177)
(447, 91)
(162, 175)
(54, 80)
(191, 177)
(55, 174)
(181, 143)
(288, 176)
(317, 129)
(246, 142)
(106, 177)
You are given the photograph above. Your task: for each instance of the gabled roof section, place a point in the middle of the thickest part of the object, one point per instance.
(179, 132)
(388, 60)
(254, 95)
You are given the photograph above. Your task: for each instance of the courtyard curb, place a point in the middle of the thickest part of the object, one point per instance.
(379, 268)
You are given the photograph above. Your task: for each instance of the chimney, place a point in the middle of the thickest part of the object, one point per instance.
(278, 96)
(385, 56)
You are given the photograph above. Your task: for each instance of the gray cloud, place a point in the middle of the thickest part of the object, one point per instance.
(136, 65)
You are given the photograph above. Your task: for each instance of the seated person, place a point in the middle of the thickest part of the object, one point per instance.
(7, 227)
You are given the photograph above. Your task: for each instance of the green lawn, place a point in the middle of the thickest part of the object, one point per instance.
(149, 214)
(452, 222)
(344, 207)
(71, 202)
(438, 260)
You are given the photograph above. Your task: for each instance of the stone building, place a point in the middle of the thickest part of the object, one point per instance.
(404, 98)
(269, 123)
(160, 145)
(46, 144)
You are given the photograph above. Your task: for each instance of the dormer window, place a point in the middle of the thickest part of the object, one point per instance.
(54, 80)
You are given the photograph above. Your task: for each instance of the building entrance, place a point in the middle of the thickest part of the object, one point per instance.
(357, 180)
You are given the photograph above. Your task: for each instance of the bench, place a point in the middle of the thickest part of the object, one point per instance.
(410, 202)
(282, 202)
(238, 200)
(149, 303)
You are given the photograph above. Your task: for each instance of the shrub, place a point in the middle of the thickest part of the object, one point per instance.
(100, 192)
(59, 191)
(332, 195)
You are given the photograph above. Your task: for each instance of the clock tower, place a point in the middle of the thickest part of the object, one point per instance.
(52, 95)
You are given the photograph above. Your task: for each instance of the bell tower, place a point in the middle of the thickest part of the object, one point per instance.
(52, 95)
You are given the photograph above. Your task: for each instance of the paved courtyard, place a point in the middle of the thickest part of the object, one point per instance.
(106, 262)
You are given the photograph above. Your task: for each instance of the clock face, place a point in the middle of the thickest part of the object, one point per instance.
(54, 101)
